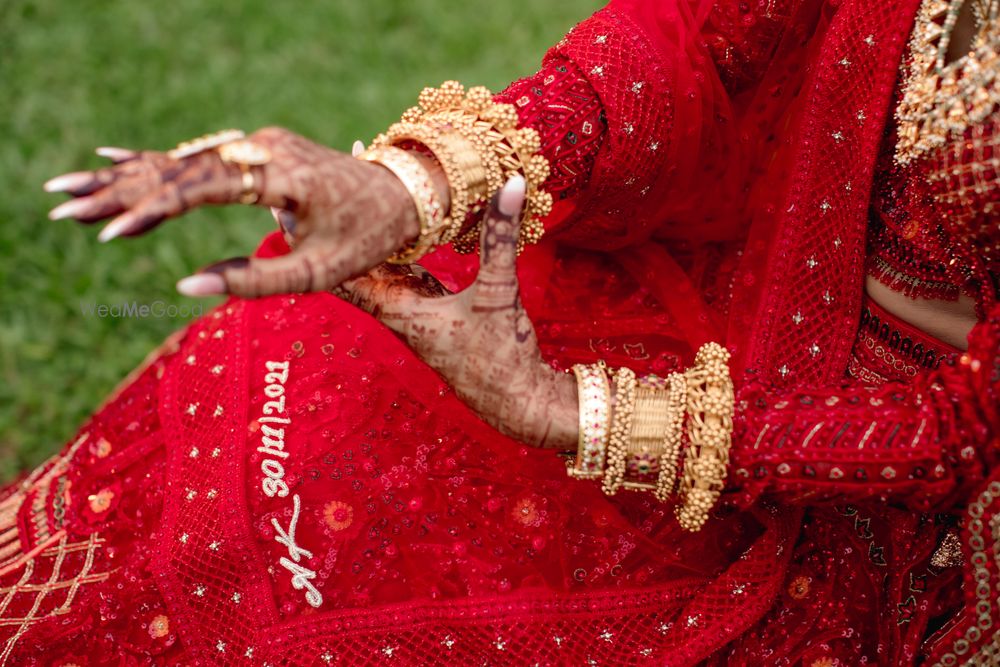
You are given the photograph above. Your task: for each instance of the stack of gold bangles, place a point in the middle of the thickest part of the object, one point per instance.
(479, 146)
(638, 443)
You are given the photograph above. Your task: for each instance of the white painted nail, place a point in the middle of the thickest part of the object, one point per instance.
(68, 181)
(358, 148)
(202, 284)
(114, 229)
(67, 209)
(512, 196)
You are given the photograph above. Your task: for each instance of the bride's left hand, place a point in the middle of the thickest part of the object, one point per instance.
(480, 340)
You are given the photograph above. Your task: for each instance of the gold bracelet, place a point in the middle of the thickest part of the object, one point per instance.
(710, 427)
(595, 415)
(501, 149)
(458, 159)
(419, 184)
(621, 428)
(666, 481)
(645, 446)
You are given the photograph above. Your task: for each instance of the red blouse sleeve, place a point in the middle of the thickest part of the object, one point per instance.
(919, 444)
(633, 109)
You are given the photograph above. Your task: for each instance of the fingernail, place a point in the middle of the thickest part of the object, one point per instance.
(511, 196)
(114, 153)
(287, 221)
(115, 228)
(67, 209)
(202, 284)
(220, 267)
(358, 148)
(68, 181)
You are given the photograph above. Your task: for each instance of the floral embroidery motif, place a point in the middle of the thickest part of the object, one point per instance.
(799, 588)
(338, 515)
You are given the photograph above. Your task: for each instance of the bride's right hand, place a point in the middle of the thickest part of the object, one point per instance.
(346, 215)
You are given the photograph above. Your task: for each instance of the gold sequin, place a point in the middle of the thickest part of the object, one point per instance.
(102, 449)
(799, 588)
(159, 627)
(100, 502)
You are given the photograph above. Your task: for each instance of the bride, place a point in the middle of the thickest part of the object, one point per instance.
(357, 459)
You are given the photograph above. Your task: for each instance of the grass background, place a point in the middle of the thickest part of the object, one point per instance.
(83, 73)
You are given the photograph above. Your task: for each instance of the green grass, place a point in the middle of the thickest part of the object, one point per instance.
(76, 75)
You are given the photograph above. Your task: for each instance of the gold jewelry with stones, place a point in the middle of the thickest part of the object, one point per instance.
(204, 143)
(621, 429)
(941, 99)
(234, 148)
(709, 428)
(248, 193)
(419, 184)
(644, 444)
(246, 155)
(666, 481)
(595, 416)
(501, 150)
(459, 161)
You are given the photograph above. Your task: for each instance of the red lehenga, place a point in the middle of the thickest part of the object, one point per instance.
(284, 483)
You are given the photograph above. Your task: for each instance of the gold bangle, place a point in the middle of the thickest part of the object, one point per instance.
(645, 444)
(458, 160)
(595, 415)
(666, 481)
(419, 184)
(499, 149)
(621, 427)
(710, 426)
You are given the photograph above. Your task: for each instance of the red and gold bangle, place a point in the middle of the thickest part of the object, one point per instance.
(459, 161)
(709, 428)
(645, 445)
(595, 421)
(419, 184)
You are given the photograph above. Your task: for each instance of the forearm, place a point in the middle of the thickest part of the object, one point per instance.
(917, 444)
(922, 445)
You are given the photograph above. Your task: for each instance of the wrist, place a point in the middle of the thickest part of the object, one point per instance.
(559, 426)
(406, 222)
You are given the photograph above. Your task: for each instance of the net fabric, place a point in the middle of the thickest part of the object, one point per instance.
(85, 595)
(373, 431)
(801, 330)
(673, 83)
(393, 482)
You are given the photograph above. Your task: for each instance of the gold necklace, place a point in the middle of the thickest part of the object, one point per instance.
(942, 99)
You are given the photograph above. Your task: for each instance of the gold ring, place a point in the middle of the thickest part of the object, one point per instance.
(249, 195)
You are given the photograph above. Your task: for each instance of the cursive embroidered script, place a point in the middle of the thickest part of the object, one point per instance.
(272, 445)
(301, 576)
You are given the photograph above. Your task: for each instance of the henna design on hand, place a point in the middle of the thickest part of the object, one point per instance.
(350, 215)
(481, 339)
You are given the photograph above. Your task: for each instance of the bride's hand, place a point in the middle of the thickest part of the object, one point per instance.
(348, 215)
(480, 340)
